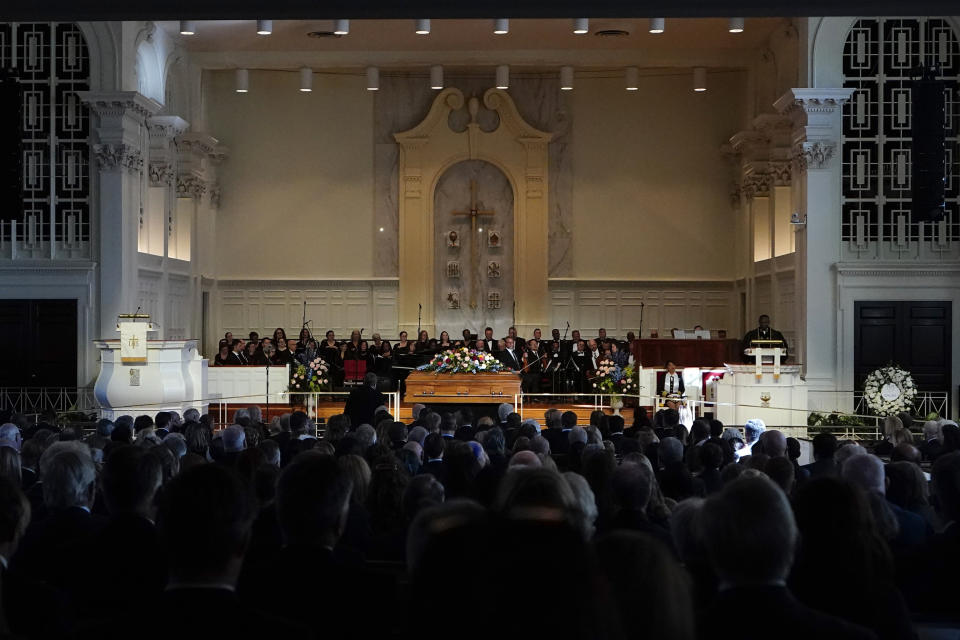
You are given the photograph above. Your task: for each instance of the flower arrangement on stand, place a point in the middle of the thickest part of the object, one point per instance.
(616, 380)
(312, 377)
(889, 390)
(463, 360)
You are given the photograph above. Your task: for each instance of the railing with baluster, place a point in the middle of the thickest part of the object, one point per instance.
(37, 400)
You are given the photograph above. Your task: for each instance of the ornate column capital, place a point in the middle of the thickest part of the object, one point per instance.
(203, 145)
(117, 156)
(190, 186)
(167, 127)
(814, 155)
(812, 101)
(161, 174)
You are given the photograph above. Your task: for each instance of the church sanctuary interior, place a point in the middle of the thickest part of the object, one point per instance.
(314, 309)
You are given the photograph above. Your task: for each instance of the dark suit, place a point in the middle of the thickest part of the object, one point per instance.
(931, 449)
(466, 433)
(559, 440)
(825, 467)
(928, 576)
(235, 358)
(510, 359)
(436, 468)
(489, 345)
(49, 546)
(773, 613)
(362, 404)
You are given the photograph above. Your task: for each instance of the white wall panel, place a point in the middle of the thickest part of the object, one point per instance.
(617, 306)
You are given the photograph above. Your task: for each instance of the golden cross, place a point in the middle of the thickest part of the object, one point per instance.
(474, 247)
(134, 341)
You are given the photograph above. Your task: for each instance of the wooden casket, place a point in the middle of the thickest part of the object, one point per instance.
(462, 388)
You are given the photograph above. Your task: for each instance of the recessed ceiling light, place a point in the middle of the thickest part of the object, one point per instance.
(581, 25)
(657, 25)
(423, 27)
(501, 26)
(341, 27)
(188, 27)
(264, 27)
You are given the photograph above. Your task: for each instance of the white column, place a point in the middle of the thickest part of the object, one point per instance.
(817, 118)
(119, 151)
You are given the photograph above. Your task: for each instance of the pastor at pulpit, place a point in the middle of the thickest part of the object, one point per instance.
(764, 332)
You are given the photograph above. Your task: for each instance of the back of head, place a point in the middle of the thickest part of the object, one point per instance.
(773, 443)
(130, 479)
(313, 495)
(753, 428)
(142, 423)
(750, 532)
(104, 427)
(866, 472)
(204, 520)
(931, 430)
(298, 423)
(68, 475)
(535, 493)
(641, 569)
(577, 434)
(711, 455)
(337, 427)
(422, 492)
(946, 481)
(449, 423)
(366, 435)
(553, 418)
(271, 451)
(432, 422)
(824, 445)
(780, 470)
(700, 430)
(370, 380)
(568, 419)
(671, 418)
(255, 413)
(846, 452)
(234, 439)
(616, 424)
(162, 419)
(631, 485)
(504, 410)
(716, 428)
(464, 416)
(191, 415)
(686, 531)
(417, 434)
(514, 420)
(242, 417)
(433, 446)
(671, 451)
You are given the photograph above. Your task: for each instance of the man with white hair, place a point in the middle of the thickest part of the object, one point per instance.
(10, 436)
(234, 442)
(866, 471)
(69, 487)
(504, 410)
(191, 415)
(751, 431)
(750, 534)
(932, 445)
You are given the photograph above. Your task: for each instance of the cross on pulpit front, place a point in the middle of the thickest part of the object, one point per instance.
(474, 247)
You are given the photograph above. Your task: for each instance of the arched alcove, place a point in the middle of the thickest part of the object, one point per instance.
(426, 152)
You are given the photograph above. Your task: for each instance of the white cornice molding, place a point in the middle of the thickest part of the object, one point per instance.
(898, 270)
(293, 283)
(812, 100)
(120, 103)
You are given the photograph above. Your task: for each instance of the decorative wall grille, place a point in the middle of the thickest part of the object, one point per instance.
(880, 58)
(51, 61)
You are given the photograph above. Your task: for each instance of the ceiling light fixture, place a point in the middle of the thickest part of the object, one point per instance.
(242, 80)
(373, 79)
(306, 79)
(503, 77)
(581, 26)
(341, 27)
(501, 26)
(633, 78)
(657, 25)
(423, 27)
(436, 76)
(188, 27)
(699, 79)
(736, 25)
(264, 27)
(566, 78)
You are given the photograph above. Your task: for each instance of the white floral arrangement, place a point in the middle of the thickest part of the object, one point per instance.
(889, 390)
(463, 360)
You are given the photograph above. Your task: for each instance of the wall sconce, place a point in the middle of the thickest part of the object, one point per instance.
(796, 220)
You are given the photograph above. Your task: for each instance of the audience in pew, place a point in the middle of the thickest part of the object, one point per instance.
(490, 526)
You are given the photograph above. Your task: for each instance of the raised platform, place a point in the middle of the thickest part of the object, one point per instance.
(535, 411)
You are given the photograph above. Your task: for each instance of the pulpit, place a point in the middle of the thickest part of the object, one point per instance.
(145, 376)
(780, 400)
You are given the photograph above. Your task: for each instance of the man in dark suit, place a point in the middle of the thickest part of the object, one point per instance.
(204, 522)
(313, 502)
(751, 535)
(489, 342)
(237, 357)
(931, 447)
(824, 446)
(433, 447)
(466, 431)
(509, 357)
(363, 401)
(764, 332)
(69, 488)
(556, 433)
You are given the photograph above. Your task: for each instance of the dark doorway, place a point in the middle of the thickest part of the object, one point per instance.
(41, 338)
(913, 335)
